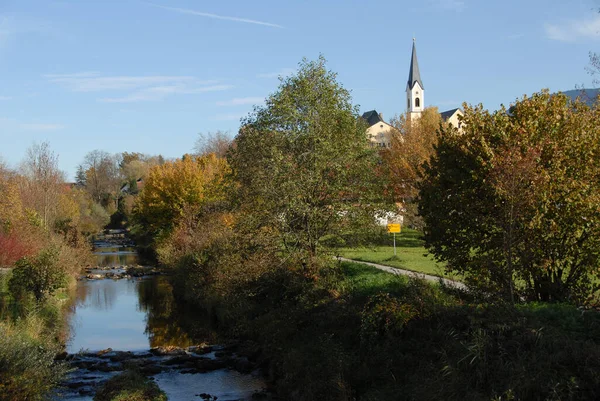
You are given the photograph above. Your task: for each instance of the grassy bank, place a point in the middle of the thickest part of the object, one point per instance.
(32, 324)
(410, 254)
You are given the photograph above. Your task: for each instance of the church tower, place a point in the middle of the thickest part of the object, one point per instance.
(414, 88)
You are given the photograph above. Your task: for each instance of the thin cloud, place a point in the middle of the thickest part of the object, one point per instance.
(284, 72)
(140, 88)
(216, 16)
(41, 127)
(94, 82)
(573, 30)
(241, 101)
(160, 92)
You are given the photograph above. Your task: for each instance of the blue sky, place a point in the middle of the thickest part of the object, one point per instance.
(148, 76)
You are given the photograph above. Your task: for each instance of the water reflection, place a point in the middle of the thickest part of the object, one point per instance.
(133, 315)
(169, 323)
(113, 256)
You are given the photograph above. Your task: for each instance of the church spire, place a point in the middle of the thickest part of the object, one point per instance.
(415, 92)
(414, 74)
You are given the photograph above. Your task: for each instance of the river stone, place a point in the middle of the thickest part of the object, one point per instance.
(104, 351)
(151, 370)
(200, 349)
(120, 356)
(106, 367)
(204, 365)
(179, 360)
(167, 351)
(83, 364)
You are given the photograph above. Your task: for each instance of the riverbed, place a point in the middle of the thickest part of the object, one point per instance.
(136, 322)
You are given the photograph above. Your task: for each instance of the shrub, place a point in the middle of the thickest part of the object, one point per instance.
(27, 367)
(40, 275)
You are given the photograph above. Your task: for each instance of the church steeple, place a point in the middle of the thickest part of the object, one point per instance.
(414, 75)
(414, 87)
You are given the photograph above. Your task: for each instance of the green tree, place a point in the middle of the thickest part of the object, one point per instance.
(303, 163)
(513, 202)
(40, 275)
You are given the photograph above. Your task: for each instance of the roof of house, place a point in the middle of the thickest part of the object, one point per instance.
(414, 75)
(372, 117)
(447, 114)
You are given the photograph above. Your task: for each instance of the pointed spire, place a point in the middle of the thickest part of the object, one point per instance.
(414, 75)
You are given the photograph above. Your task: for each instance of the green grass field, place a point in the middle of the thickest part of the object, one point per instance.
(410, 254)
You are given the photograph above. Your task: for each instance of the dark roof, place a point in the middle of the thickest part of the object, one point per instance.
(447, 114)
(372, 117)
(414, 75)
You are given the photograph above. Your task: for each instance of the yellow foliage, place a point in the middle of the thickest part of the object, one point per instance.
(174, 186)
(11, 208)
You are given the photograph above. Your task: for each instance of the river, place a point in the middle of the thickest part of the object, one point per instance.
(115, 323)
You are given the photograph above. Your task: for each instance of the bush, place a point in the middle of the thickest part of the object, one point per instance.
(130, 386)
(40, 275)
(27, 367)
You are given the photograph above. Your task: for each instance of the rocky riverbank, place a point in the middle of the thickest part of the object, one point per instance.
(92, 369)
(119, 272)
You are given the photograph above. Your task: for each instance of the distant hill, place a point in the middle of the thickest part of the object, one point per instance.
(587, 95)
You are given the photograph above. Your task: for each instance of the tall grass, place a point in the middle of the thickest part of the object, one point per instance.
(27, 367)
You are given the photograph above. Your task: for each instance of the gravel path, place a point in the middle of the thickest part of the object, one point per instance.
(393, 270)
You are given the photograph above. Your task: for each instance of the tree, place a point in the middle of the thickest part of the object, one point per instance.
(102, 176)
(173, 186)
(303, 163)
(40, 275)
(513, 202)
(11, 208)
(412, 145)
(42, 182)
(217, 142)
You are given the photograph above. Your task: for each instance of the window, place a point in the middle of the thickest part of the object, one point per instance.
(408, 104)
(417, 102)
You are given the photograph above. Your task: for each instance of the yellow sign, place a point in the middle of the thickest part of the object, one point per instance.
(393, 228)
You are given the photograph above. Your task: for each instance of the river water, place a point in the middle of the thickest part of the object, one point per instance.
(138, 314)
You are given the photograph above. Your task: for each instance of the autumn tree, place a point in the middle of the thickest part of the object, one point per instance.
(412, 145)
(102, 179)
(513, 202)
(303, 163)
(174, 186)
(11, 208)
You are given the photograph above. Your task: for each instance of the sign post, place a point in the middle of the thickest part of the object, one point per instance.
(394, 228)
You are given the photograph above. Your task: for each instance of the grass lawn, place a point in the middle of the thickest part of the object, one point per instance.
(410, 255)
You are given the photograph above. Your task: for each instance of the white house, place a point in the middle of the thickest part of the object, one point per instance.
(379, 132)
